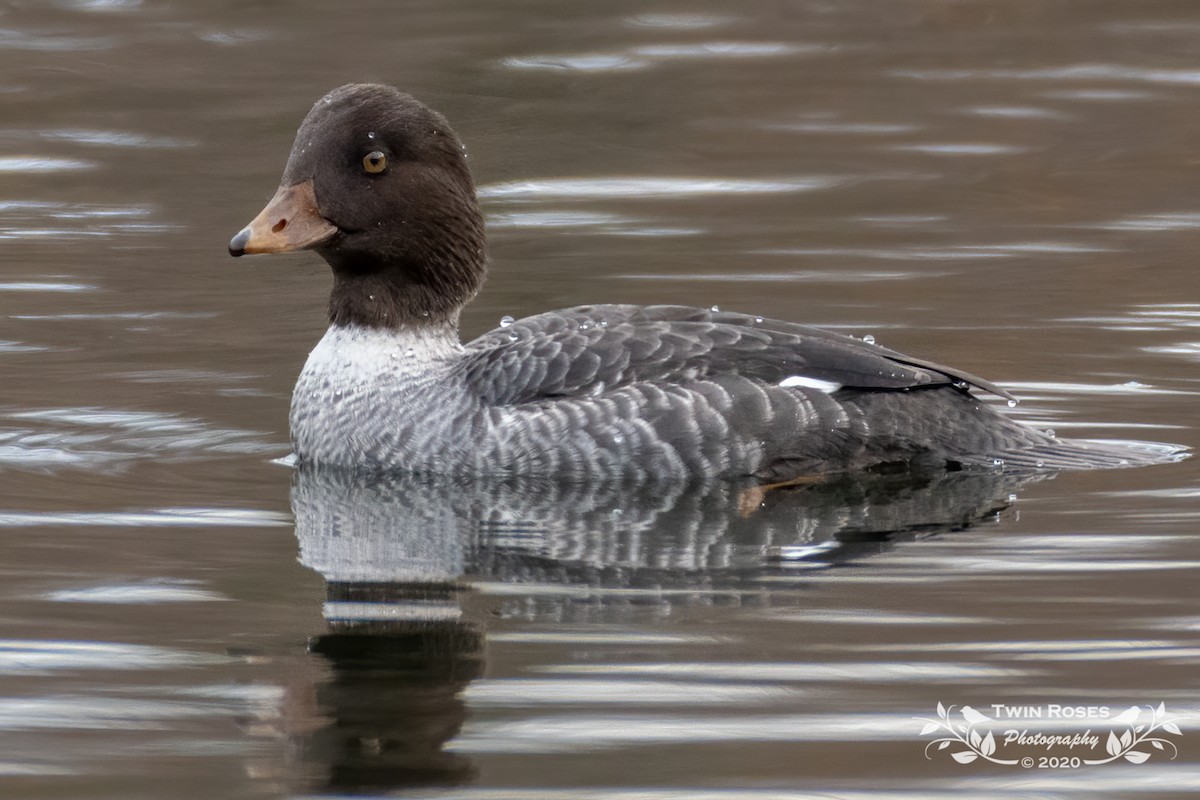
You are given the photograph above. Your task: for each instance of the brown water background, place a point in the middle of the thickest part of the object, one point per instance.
(1010, 188)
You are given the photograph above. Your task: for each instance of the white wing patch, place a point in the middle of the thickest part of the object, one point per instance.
(828, 387)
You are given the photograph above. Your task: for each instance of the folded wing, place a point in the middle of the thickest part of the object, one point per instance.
(590, 349)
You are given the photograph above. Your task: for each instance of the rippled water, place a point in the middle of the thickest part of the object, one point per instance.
(1006, 187)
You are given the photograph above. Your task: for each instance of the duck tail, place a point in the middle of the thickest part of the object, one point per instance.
(1058, 454)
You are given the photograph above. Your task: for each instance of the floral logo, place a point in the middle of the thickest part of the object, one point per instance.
(978, 746)
(1053, 733)
(1135, 736)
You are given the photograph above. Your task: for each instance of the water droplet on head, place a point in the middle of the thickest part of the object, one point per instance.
(583, 326)
(1012, 402)
(715, 309)
(960, 385)
(758, 319)
(603, 323)
(506, 320)
(512, 337)
(370, 297)
(869, 339)
(1040, 463)
(618, 438)
(424, 313)
(371, 135)
(997, 462)
(1050, 432)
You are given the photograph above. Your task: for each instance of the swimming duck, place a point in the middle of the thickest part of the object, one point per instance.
(377, 184)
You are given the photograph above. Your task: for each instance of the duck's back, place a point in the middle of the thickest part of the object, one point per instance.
(672, 391)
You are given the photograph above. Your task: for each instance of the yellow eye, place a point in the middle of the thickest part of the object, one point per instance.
(374, 162)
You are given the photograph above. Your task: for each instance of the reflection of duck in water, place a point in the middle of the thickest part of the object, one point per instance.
(378, 185)
(399, 647)
(399, 554)
(392, 702)
(413, 530)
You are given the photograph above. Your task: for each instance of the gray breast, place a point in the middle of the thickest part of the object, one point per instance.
(379, 398)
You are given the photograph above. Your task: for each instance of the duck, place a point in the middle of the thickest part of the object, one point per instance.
(377, 184)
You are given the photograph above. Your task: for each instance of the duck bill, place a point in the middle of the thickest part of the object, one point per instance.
(291, 221)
